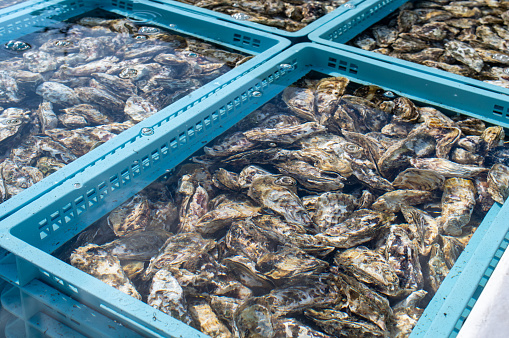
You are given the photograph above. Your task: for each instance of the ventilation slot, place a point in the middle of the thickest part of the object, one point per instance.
(498, 110)
(342, 65)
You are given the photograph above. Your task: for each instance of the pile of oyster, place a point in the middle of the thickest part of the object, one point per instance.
(67, 89)
(330, 211)
(468, 38)
(290, 16)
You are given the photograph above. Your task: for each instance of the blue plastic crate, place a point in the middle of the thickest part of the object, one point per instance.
(336, 33)
(32, 233)
(35, 15)
(341, 14)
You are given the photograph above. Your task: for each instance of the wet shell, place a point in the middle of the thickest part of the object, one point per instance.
(98, 263)
(276, 193)
(130, 216)
(423, 227)
(360, 227)
(393, 200)
(332, 208)
(57, 93)
(447, 168)
(364, 301)
(301, 102)
(458, 202)
(167, 295)
(419, 179)
(498, 182)
(437, 266)
(369, 267)
(206, 320)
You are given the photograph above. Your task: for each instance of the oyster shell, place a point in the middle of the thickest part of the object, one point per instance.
(95, 261)
(498, 182)
(458, 201)
(369, 267)
(361, 226)
(167, 295)
(277, 193)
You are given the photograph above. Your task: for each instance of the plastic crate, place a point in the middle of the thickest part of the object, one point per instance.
(32, 233)
(336, 33)
(38, 14)
(378, 8)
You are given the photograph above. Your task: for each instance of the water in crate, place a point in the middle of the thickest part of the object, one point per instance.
(336, 209)
(71, 87)
(467, 38)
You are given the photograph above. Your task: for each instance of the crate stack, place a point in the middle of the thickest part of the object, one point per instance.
(48, 297)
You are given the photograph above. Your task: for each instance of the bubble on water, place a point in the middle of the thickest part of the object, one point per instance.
(390, 95)
(17, 45)
(141, 37)
(501, 57)
(147, 131)
(256, 93)
(286, 67)
(241, 16)
(76, 185)
(349, 6)
(149, 30)
(128, 73)
(12, 122)
(63, 43)
(192, 55)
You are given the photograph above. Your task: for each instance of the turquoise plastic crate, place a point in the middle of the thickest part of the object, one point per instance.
(36, 230)
(336, 33)
(36, 15)
(376, 8)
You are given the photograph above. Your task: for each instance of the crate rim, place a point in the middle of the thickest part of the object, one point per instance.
(297, 36)
(19, 248)
(180, 106)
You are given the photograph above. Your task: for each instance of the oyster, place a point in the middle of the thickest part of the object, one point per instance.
(447, 168)
(290, 263)
(95, 261)
(369, 267)
(254, 319)
(498, 182)
(331, 209)
(419, 179)
(130, 216)
(224, 214)
(57, 93)
(277, 193)
(340, 324)
(138, 245)
(296, 298)
(361, 226)
(392, 201)
(458, 201)
(423, 227)
(363, 301)
(167, 296)
(179, 250)
(437, 266)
